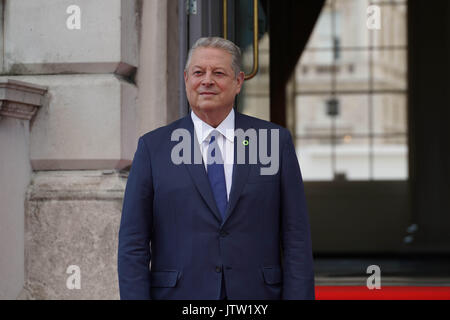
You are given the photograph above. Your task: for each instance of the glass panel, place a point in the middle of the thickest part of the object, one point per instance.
(353, 117)
(315, 158)
(311, 116)
(389, 114)
(339, 63)
(352, 30)
(393, 26)
(314, 70)
(322, 35)
(389, 69)
(352, 159)
(254, 98)
(390, 159)
(352, 72)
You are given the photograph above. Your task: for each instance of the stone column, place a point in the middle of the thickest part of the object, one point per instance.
(19, 102)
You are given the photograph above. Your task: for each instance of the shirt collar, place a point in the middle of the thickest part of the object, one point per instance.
(203, 130)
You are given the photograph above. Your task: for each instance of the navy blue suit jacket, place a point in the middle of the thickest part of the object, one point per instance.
(170, 221)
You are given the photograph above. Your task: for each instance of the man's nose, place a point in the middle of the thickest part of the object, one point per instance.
(207, 79)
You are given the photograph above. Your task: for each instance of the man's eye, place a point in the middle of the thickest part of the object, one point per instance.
(219, 73)
(197, 72)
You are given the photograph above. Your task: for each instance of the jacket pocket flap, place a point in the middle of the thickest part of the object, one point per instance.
(272, 275)
(164, 278)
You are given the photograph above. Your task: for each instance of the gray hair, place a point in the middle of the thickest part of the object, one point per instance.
(218, 43)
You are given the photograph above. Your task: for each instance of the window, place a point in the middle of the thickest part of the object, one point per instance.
(351, 94)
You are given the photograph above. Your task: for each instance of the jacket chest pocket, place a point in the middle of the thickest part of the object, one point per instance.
(255, 176)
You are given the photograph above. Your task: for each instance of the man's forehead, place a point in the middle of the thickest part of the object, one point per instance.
(205, 56)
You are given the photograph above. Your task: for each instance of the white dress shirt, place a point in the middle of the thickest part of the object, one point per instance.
(225, 141)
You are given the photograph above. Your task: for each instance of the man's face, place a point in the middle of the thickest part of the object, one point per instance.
(210, 80)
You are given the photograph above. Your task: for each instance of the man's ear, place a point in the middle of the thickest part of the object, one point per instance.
(240, 81)
(185, 76)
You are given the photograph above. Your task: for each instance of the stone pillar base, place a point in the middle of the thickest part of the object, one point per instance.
(72, 219)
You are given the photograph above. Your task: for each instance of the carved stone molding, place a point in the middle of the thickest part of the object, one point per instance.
(20, 99)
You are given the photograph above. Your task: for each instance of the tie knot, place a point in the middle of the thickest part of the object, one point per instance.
(214, 135)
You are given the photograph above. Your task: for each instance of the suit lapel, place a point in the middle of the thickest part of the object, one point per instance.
(197, 171)
(240, 171)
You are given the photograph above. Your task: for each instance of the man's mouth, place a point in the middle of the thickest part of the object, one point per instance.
(207, 93)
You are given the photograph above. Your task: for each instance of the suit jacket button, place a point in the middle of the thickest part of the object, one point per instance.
(218, 269)
(223, 234)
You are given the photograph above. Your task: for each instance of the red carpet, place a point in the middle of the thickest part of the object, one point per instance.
(385, 293)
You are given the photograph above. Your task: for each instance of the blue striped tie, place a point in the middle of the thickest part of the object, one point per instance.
(216, 174)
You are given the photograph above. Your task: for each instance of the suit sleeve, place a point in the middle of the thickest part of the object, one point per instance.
(135, 229)
(297, 261)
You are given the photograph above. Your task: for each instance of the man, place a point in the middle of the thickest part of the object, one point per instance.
(218, 227)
